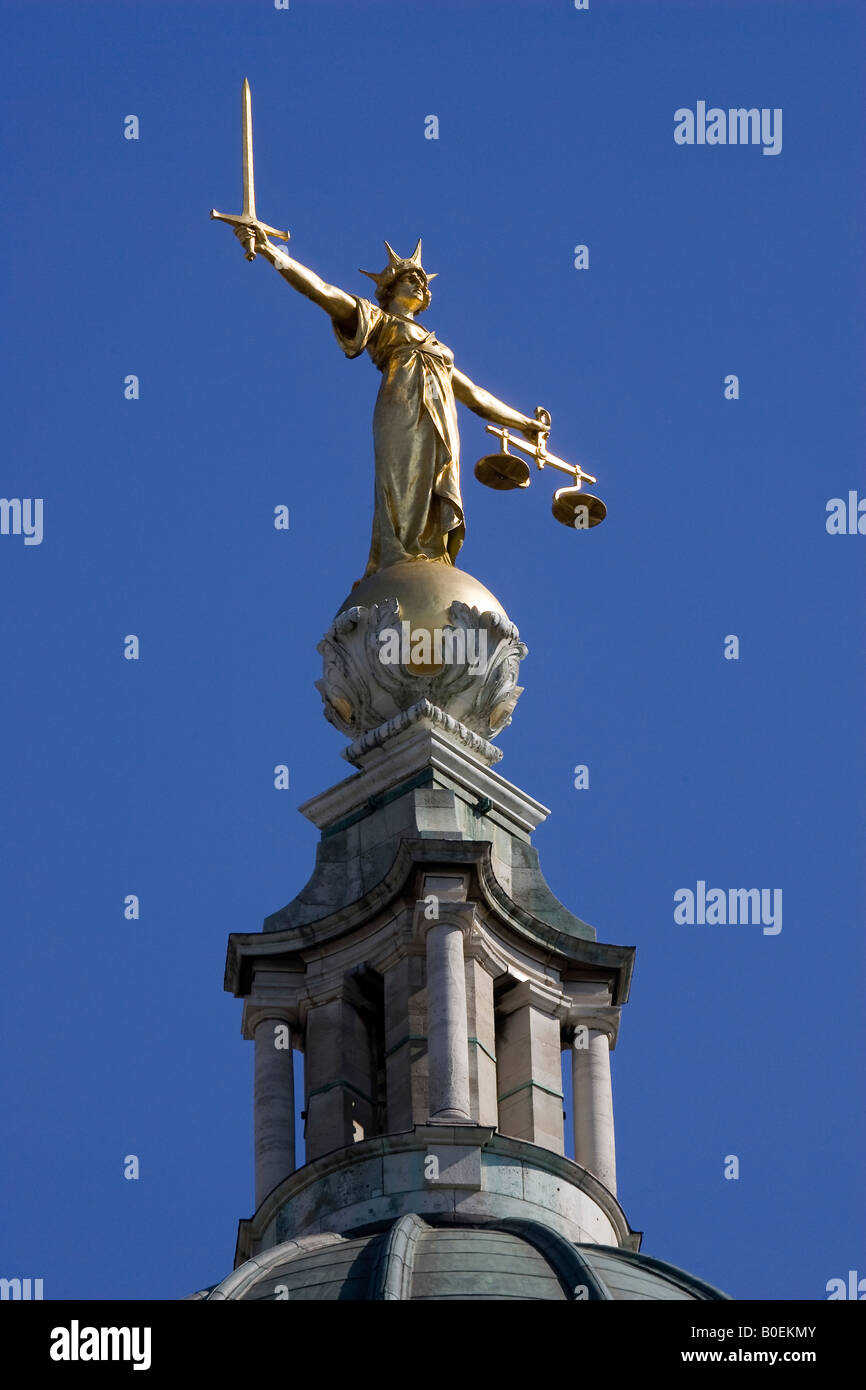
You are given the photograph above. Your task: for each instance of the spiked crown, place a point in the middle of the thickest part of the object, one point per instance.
(397, 266)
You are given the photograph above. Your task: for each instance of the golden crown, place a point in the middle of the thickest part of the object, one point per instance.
(397, 266)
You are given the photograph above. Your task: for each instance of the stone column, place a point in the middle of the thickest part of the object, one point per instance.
(594, 1146)
(273, 1105)
(447, 1032)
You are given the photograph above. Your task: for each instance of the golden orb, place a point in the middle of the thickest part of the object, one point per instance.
(425, 590)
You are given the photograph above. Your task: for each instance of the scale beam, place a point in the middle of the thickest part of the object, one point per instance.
(504, 471)
(542, 457)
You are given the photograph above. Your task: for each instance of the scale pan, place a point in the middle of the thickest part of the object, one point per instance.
(578, 509)
(502, 471)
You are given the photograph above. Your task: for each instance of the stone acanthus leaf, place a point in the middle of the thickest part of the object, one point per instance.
(361, 691)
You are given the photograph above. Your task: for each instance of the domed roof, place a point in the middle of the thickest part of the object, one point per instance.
(414, 1260)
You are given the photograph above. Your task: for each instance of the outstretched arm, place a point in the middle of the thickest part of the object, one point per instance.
(492, 409)
(335, 302)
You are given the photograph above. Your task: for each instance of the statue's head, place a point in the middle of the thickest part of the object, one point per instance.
(404, 280)
(408, 292)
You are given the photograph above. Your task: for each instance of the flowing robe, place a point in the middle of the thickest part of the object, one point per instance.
(418, 510)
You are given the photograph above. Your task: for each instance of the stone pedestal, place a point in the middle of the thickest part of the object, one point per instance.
(431, 976)
(431, 979)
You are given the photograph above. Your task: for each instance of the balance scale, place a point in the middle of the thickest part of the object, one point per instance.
(503, 471)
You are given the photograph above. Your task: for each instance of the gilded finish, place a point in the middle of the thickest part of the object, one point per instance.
(245, 222)
(503, 471)
(418, 512)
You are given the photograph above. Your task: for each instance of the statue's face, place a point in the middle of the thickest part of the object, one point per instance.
(408, 292)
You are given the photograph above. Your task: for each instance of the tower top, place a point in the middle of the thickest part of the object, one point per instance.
(426, 973)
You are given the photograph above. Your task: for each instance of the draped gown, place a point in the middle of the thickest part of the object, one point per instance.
(418, 510)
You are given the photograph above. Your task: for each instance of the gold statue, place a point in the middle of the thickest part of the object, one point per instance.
(418, 507)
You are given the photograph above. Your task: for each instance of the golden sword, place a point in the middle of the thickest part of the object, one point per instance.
(248, 217)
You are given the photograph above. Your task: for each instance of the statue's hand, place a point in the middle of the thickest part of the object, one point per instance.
(534, 429)
(253, 239)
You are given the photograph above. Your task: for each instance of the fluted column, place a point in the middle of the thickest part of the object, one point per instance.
(594, 1146)
(273, 1105)
(447, 1031)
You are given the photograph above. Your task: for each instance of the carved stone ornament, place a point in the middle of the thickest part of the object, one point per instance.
(377, 665)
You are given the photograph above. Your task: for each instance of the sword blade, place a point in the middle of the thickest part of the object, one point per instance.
(247, 139)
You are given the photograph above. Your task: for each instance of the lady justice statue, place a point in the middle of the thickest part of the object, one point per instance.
(418, 511)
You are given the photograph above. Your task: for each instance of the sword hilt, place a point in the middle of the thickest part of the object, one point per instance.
(244, 220)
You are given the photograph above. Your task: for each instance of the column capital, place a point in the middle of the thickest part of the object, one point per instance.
(449, 914)
(598, 1019)
(258, 1011)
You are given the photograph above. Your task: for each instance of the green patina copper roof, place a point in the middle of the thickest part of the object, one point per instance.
(413, 1260)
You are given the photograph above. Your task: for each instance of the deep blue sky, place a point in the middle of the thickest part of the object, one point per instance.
(155, 777)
